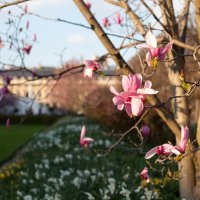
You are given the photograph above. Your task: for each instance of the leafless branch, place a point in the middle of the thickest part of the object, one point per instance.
(12, 3)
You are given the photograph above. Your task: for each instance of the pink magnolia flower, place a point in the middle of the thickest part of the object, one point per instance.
(90, 68)
(8, 123)
(105, 22)
(167, 149)
(145, 131)
(144, 174)
(84, 141)
(88, 4)
(27, 49)
(155, 53)
(164, 149)
(133, 96)
(118, 18)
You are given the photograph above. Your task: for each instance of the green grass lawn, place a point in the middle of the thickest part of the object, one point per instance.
(15, 137)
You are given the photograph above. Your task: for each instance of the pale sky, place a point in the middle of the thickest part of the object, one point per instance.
(53, 37)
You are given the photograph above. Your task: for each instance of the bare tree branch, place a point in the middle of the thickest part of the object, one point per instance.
(170, 18)
(136, 42)
(116, 3)
(123, 135)
(135, 19)
(101, 35)
(12, 3)
(153, 14)
(163, 112)
(183, 19)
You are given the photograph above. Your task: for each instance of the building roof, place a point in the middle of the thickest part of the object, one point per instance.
(19, 72)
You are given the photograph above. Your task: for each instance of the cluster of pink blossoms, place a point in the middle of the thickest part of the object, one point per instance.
(90, 68)
(132, 99)
(118, 19)
(133, 96)
(154, 53)
(166, 150)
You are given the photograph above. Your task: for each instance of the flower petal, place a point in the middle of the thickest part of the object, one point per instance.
(136, 106)
(138, 81)
(88, 63)
(155, 52)
(167, 148)
(144, 174)
(144, 46)
(148, 58)
(88, 72)
(120, 107)
(147, 84)
(83, 131)
(112, 89)
(151, 153)
(147, 91)
(126, 83)
(128, 109)
(88, 139)
(175, 151)
(118, 100)
(184, 137)
(167, 47)
(151, 39)
(131, 82)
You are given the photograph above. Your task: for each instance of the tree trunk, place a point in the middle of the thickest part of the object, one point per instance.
(197, 159)
(180, 109)
(197, 8)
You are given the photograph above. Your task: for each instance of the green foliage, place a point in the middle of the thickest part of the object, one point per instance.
(186, 86)
(11, 139)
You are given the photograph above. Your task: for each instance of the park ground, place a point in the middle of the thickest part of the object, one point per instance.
(53, 166)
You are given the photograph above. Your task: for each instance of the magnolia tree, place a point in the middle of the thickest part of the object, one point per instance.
(164, 40)
(174, 26)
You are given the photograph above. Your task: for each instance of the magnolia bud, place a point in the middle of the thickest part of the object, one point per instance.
(145, 130)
